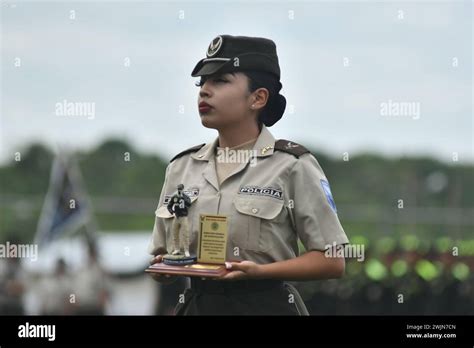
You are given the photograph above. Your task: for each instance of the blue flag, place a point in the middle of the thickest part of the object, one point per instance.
(66, 206)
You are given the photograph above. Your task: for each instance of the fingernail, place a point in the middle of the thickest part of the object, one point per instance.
(228, 265)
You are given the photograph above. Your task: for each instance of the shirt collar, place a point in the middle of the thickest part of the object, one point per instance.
(264, 145)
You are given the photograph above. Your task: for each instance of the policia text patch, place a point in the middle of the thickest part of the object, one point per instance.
(261, 191)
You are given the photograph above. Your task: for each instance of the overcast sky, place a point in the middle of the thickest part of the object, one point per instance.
(397, 52)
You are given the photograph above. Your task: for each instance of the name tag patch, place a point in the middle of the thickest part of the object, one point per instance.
(261, 191)
(190, 192)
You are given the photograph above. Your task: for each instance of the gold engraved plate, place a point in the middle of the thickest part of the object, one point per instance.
(212, 239)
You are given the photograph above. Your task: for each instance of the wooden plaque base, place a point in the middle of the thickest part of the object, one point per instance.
(202, 270)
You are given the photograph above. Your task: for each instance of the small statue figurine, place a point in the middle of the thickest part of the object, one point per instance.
(178, 206)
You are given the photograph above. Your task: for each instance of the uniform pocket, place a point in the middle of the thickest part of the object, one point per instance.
(162, 212)
(167, 219)
(253, 220)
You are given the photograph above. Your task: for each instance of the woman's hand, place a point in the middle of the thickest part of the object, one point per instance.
(312, 265)
(242, 270)
(161, 278)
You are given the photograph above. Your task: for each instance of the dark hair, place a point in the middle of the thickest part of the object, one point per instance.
(276, 103)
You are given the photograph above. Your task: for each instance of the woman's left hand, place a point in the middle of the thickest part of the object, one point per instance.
(242, 270)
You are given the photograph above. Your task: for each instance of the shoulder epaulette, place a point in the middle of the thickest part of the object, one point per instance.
(191, 149)
(290, 147)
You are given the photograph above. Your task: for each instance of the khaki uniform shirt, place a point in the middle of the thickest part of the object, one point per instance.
(270, 201)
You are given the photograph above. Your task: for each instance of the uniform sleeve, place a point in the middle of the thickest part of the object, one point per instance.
(158, 238)
(314, 210)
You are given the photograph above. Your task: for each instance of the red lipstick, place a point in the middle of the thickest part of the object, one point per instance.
(204, 107)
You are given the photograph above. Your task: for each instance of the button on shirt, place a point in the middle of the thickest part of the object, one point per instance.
(270, 201)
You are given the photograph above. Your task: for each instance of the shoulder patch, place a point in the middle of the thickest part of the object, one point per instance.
(327, 191)
(290, 147)
(191, 149)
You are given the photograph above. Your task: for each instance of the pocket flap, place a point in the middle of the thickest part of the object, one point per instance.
(163, 212)
(261, 207)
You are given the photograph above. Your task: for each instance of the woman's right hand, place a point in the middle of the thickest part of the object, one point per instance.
(161, 278)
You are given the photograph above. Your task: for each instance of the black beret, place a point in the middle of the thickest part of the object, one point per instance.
(228, 53)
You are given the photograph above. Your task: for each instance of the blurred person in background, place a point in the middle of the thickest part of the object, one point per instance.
(91, 286)
(12, 287)
(55, 291)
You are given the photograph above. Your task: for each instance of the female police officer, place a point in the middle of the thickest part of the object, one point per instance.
(272, 198)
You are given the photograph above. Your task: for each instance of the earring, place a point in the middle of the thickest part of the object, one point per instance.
(253, 106)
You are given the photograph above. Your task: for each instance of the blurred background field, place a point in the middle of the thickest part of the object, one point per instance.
(408, 250)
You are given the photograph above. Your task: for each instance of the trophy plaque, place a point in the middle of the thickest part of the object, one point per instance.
(209, 261)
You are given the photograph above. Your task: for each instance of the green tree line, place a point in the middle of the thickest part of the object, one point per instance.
(115, 168)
